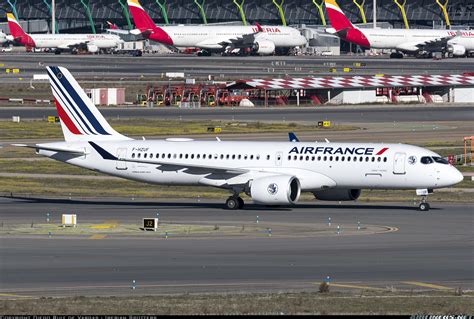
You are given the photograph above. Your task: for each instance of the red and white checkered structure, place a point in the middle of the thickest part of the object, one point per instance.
(347, 82)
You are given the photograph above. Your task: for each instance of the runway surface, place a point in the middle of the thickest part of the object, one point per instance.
(432, 248)
(126, 67)
(340, 114)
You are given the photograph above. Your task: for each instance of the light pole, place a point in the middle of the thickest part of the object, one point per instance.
(375, 13)
(53, 16)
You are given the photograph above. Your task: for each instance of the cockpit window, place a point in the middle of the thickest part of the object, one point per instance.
(440, 160)
(426, 160)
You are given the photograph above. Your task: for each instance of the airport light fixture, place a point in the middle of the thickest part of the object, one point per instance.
(445, 12)
(240, 6)
(361, 9)
(280, 9)
(164, 11)
(201, 10)
(401, 5)
(319, 5)
(13, 6)
(375, 13)
(126, 13)
(89, 14)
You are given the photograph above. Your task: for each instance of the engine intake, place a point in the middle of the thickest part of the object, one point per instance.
(264, 47)
(335, 194)
(275, 190)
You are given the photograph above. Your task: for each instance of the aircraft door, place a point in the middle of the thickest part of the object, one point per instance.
(399, 163)
(121, 153)
(278, 158)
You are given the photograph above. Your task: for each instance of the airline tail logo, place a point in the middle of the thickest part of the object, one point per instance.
(338, 19)
(17, 32)
(344, 28)
(146, 25)
(79, 116)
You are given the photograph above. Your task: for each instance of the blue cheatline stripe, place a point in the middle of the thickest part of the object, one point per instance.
(61, 101)
(80, 103)
(105, 155)
(70, 105)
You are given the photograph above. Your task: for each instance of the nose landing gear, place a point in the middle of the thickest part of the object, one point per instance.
(424, 206)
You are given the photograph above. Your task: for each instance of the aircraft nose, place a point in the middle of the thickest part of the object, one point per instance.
(456, 176)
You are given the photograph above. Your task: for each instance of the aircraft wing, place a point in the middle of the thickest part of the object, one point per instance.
(437, 44)
(71, 45)
(167, 164)
(54, 148)
(242, 41)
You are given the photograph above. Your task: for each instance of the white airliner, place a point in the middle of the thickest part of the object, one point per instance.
(421, 43)
(271, 173)
(261, 40)
(3, 37)
(92, 42)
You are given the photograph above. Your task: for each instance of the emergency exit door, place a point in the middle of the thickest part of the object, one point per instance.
(121, 153)
(399, 163)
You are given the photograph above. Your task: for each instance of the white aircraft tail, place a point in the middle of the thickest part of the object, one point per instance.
(80, 118)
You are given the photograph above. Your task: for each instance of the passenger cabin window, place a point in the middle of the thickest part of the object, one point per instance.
(426, 160)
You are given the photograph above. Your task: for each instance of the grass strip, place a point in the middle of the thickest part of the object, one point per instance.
(250, 303)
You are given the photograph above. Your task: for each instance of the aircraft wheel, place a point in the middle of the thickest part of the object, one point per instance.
(240, 202)
(232, 203)
(424, 207)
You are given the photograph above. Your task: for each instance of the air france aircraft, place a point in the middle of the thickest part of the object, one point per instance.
(271, 173)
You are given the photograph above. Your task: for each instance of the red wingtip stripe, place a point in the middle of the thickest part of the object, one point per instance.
(66, 120)
(382, 151)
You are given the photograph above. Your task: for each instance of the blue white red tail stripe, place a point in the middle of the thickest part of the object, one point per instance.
(79, 102)
(80, 118)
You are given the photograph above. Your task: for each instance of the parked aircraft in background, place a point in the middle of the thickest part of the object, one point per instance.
(61, 42)
(263, 40)
(3, 37)
(271, 173)
(421, 42)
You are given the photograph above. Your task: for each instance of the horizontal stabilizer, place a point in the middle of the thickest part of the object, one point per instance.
(53, 148)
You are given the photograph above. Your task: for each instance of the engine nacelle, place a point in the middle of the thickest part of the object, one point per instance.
(275, 190)
(92, 48)
(457, 49)
(264, 47)
(334, 194)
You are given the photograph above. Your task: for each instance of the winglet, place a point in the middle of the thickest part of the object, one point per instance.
(112, 26)
(259, 27)
(292, 137)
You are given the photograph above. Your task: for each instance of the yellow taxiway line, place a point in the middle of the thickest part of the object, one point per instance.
(426, 285)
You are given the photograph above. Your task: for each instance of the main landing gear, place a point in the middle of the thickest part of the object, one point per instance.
(234, 202)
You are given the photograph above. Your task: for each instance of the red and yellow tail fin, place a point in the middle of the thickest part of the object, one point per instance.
(338, 19)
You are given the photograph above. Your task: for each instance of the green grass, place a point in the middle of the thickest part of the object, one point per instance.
(151, 127)
(41, 166)
(364, 303)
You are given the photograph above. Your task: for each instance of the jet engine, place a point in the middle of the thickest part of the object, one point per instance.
(335, 194)
(275, 190)
(456, 49)
(264, 47)
(92, 48)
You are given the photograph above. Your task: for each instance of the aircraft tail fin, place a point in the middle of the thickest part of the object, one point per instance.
(15, 28)
(338, 19)
(80, 118)
(141, 18)
(145, 25)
